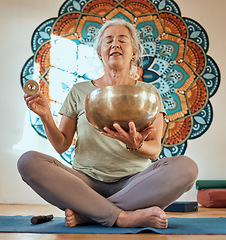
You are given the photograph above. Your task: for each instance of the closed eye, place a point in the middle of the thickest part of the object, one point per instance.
(121, 39)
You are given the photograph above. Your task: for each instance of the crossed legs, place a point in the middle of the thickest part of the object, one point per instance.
(132, 202)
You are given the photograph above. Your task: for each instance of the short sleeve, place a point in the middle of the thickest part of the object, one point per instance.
(162, 109)
(69, 107)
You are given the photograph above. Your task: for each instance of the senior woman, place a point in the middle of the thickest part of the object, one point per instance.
(107, 183)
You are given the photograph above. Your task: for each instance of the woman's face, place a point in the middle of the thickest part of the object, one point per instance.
(116, 50)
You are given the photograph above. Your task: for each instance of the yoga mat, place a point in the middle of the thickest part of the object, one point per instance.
(21, 224)
(207, 184)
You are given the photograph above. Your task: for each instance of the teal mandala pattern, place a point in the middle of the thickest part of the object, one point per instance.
(175, 60)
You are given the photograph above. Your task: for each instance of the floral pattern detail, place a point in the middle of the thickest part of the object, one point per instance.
(175, 60)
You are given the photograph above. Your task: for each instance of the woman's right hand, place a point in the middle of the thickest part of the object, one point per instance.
(38, 104)
(60, 138)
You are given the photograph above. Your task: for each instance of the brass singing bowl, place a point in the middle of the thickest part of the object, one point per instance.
(122, 104)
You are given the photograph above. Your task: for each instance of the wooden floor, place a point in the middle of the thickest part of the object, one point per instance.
(24, 210)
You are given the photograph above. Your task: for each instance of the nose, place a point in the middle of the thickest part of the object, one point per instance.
(115, 44)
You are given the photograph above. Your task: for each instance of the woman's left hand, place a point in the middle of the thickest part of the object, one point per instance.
(132, 138)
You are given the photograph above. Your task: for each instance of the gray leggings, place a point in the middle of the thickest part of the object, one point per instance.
(159, 185)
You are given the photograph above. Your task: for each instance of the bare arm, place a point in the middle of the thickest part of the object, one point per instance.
(60, 138)
(149, 139)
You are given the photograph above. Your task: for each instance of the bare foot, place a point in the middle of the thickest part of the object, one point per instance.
(149, 217)
(73, 219)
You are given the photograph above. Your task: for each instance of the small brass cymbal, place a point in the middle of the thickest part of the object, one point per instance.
(122, 104)
(31, 87)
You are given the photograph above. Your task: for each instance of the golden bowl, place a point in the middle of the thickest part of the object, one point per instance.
(122, 104)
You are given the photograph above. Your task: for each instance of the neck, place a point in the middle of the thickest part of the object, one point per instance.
(115, 77)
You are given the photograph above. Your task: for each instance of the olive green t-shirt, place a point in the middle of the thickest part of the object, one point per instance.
(100, 157)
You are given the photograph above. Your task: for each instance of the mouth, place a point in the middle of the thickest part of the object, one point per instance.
(115, 54)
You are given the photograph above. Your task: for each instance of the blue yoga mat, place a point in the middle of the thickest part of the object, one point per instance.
(21, 224)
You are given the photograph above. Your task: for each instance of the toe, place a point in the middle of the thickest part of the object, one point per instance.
(163, 224)
(68, 212)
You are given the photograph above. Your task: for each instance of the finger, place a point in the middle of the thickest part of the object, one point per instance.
(150, 127)
(32, 96)
(107, 132)
(119, 129)
(148, 130)
(132, 128)
(27, 98)
(113, 134)
(30, 104)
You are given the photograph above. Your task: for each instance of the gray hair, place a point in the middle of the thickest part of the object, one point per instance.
(135, 39)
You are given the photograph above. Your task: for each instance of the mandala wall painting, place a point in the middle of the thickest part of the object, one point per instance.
(175, 60)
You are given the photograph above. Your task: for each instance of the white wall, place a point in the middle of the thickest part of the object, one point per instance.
(18, 21)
